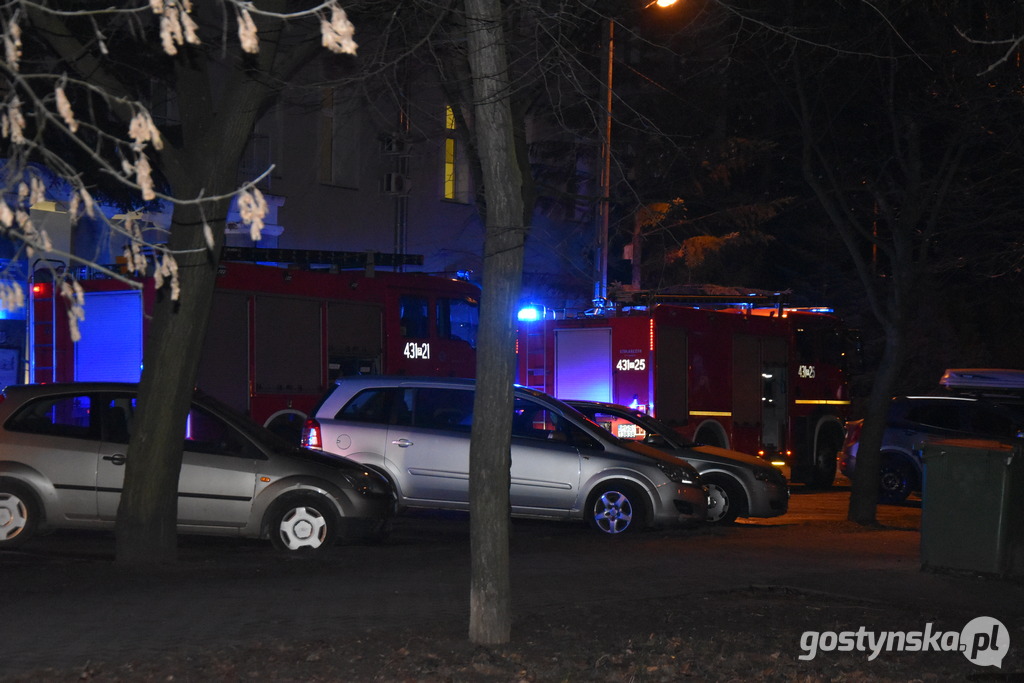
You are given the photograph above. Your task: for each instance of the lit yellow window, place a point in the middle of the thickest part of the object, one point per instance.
(450, 154)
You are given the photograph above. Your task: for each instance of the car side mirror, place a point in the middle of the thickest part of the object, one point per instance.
(655, 440)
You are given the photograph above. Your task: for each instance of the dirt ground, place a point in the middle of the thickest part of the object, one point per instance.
(753, 630)
(752, 634)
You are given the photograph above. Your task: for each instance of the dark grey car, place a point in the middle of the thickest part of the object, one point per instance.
(739, 485)
(416, 431)
(913, 421)
(63, 448)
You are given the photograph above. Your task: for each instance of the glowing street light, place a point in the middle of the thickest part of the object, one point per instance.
(605, 177)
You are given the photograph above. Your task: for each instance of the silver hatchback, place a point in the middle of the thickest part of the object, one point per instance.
(62, 456)
(416, 433)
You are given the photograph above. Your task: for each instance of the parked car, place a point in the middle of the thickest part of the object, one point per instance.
(914, 421)
(739, 485)
(416, 433)
(63, 448)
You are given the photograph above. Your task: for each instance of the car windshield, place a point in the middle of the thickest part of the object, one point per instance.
(649, 424)
(253, 431)
(653, 424)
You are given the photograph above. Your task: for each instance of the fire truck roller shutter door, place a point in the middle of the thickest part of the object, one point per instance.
(583, 364)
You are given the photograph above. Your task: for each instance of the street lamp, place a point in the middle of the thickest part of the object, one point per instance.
(605, 175)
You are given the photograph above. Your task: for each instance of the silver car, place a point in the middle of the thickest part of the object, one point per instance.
(739, 485)
(416, 432)
(62, 456)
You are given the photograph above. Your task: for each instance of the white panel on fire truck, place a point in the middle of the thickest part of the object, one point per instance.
(583, 364)
(111, 345)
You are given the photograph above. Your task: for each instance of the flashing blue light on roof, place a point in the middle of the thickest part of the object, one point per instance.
(529, 314)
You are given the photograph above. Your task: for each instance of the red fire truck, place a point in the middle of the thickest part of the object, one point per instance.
(277, 335)
(769, 381)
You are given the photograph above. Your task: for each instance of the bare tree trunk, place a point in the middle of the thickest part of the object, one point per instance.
(490, 460)
(148, 512)
(864, 495)
(889, 297)
(204, 164)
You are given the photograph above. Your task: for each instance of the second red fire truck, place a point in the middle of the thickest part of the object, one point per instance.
(768, 381)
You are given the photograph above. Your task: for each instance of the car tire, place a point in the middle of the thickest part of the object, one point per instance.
(727, 500)
(616, 508)
(303, 525)
(895, 481)
(826, 454)
(19, 515)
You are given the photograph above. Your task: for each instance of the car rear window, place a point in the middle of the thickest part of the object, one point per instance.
(369, 405)
(421, 407)
(945, 414)
(67, 416)
(992, 421)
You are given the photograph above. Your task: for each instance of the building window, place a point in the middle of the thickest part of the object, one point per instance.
(340, 136)
(257, 160)
(455, 172)
(450, 153)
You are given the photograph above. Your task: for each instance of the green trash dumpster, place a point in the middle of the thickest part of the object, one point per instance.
(972, 510)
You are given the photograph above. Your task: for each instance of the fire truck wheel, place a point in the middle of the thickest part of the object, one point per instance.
(826, 454)
(19, 515)
(726, 501)
(303, 524)
(616, 508)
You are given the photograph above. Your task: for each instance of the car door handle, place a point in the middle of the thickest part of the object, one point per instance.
(116, 458)
(402, 443)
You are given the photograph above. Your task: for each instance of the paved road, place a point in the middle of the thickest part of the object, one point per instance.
(66, 603)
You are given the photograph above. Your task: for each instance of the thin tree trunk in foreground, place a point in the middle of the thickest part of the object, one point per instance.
(490, 460)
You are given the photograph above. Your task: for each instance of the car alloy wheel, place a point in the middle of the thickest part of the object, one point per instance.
(615, 509)
(894, 482)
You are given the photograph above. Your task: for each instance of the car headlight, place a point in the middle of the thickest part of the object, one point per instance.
(772, 476)
(678, 474)
(368, 483)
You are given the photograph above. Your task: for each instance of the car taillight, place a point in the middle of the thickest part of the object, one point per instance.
(311, 434)
(853, 432)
